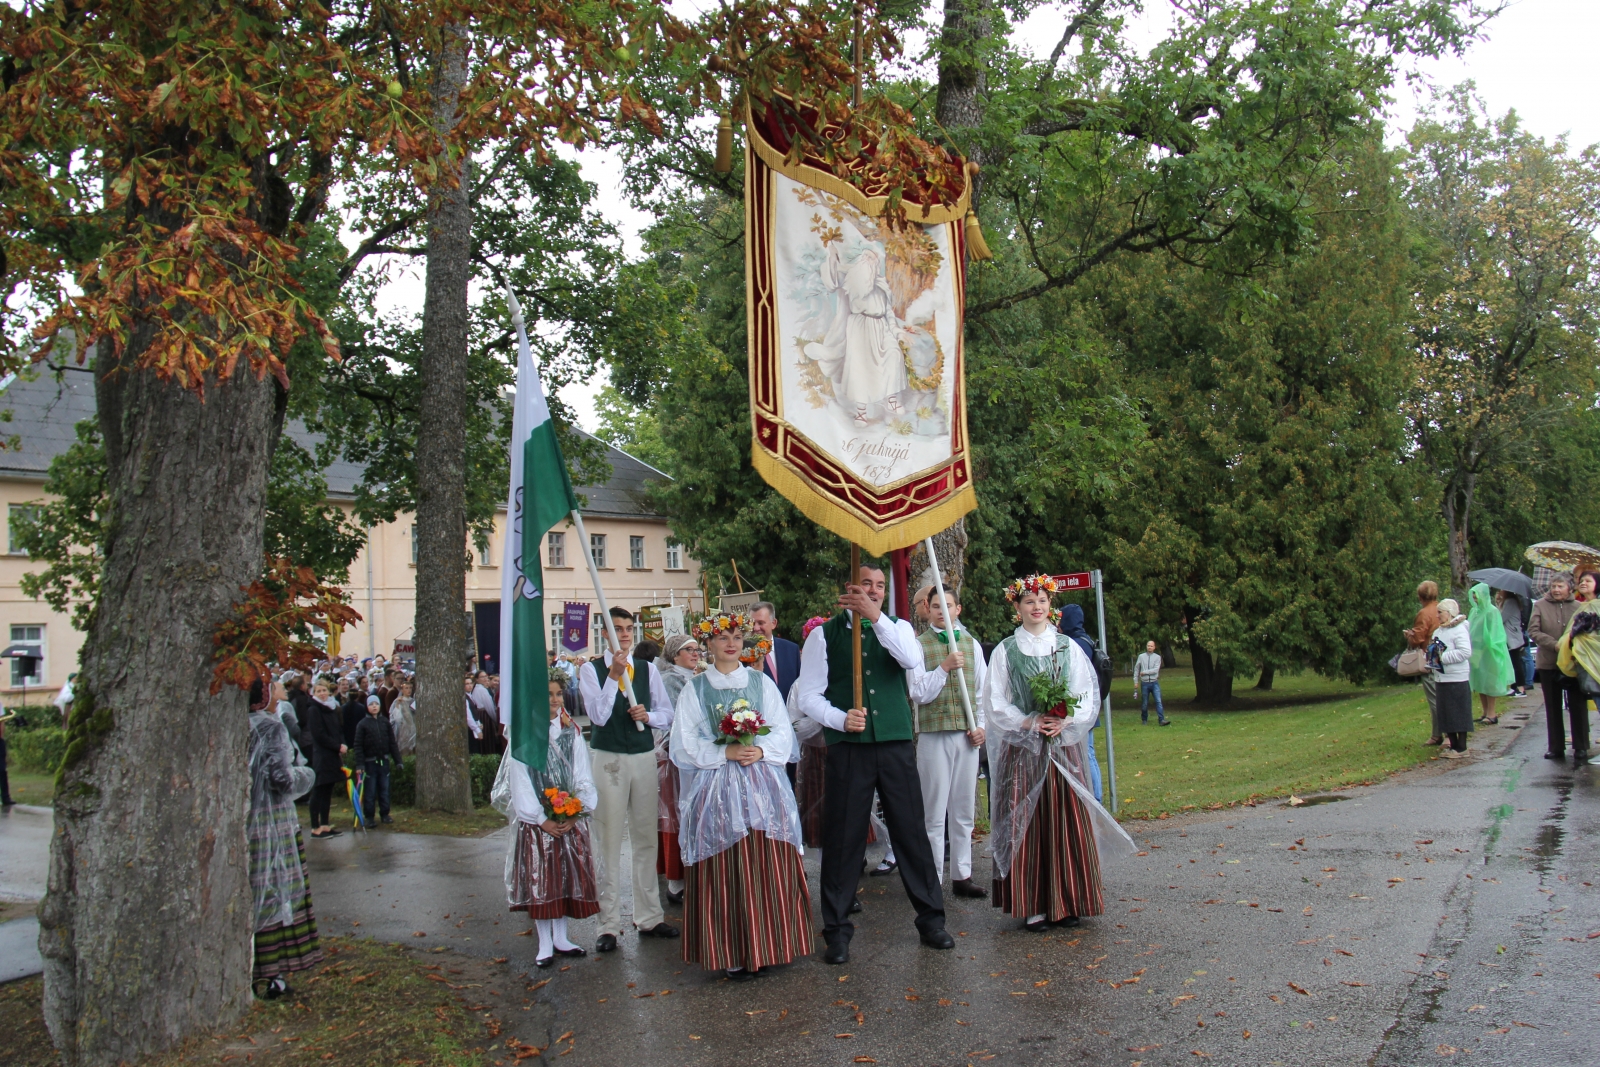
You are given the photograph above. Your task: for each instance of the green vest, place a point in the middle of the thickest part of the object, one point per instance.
(620, 733)
(1020, 667)
(883, 683)
(944, 712)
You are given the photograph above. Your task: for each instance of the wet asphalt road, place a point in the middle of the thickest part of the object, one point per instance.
(1446, 915)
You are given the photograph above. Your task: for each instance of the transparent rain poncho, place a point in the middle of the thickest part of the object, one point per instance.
(674, 678)
(277, 878)
(541, 868)
(1020, 757)
(720, 801)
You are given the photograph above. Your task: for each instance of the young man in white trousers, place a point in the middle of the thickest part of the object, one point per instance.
(623, 697)
(947, 752)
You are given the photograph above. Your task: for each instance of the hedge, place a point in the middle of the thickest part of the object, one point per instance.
(481, 770)
(38, 750)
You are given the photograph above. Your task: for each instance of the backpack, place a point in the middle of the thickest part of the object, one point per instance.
(1101, 663)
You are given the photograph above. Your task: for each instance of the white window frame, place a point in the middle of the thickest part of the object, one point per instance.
(36, 679)
(11, 533)
(636, 553)
(674, 555)
(555, 549)
(597, 631)
(485, 553)
(597, 549)
(413, 544)
(557, 621)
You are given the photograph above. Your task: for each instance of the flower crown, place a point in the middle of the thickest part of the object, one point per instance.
(1033, 583)
(723, 622)
(811, 624)
(755, 650)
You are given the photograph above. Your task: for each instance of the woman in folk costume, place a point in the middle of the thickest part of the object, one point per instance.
(550, 866)
(680, 659)
(1049, 832)
(811, 772)
(746, 904)
(286, 929)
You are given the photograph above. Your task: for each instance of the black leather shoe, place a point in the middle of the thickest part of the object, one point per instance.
(1037, 927)
(674, 898)
(1555, 755)
(855, 907)
(883, 870)
(606, 943)
(1070, 920)
(836, 952)
(938, 939)
(661, 930)
(739, 974)
(966, 887)
(548, 961)
(574, 951)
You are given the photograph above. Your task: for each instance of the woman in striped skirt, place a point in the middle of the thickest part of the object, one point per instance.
(286, 929)
(1048, 830)
(680, 662)
(746, 904)
(550, 871)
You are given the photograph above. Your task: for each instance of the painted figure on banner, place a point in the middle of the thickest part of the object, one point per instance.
(873, 310)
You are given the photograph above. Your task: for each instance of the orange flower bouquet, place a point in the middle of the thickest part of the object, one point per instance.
(562, 806)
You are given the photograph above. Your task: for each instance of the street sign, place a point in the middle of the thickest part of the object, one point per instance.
(1080, 580)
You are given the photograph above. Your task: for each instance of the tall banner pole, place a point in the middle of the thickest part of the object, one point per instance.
(950, 628)
(1105, 698)
(599, 594)
(855, 623)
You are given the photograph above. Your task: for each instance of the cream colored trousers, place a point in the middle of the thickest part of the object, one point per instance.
(627, 786)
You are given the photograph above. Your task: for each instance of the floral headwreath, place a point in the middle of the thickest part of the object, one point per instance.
(755, 650)
(811, 624)
(1033, 583)
(722, 622)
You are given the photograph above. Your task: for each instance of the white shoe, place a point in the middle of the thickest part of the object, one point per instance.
(1446, 752)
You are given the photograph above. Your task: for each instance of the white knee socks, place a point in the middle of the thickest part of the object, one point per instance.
(559, 934)
(674, 885)
(546, 948)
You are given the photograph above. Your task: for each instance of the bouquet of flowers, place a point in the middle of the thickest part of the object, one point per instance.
(755, 650)
(1050, 694)
(562, 806)
(740, 723)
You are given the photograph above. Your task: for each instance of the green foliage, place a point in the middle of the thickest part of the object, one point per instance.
(403, 780)
(633, 429)
(37, 751)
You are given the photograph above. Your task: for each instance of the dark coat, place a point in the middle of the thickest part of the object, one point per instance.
(302, 711)
(787, 653)
(353, 710)
(375, 740)
(326, 727)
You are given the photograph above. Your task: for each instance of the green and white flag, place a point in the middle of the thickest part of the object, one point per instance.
(541, 496)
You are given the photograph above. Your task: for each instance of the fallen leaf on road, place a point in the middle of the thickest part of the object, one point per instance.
(844, 978)
(1426, 841)
(418, 933)
(524, 933)
(758, 1011)
(1342, 952)
(535, 987)
(1397, 879)
(863, 1059)
(960, 1023)
(1530, 1026)
(1295, 802)
(1197, 1052)
(1144, 1048)
(1446, 1050)
(1356, 984)
(1039, 985)
(912, 996)
(1247, 1035)
(1279, 910)
(1179, 1000)
(1297, 989)
(844, 1035)
(1306, 910)
(944, 1002)
(498, 959)
(1502, 1030)
(1329, 870)
(1274, 998)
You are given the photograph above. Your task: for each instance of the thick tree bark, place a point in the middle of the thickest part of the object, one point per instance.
(146, 930)
(442, 781)
(1212, 684)
(1267, 673)
(1457, 508)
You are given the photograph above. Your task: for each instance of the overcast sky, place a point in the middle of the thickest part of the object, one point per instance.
(1537, 58)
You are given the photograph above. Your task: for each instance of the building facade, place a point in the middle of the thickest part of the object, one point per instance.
(640, 563)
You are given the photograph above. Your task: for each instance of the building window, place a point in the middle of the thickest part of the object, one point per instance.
(413, 545)
(555, 554)
(674, 556)
(597, 549)
(636, 553)
(597, 632)
(33, 636)
(486, 553)
(18, 511)
(556, 620)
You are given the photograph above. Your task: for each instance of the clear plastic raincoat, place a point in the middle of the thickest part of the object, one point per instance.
(277, 878)
(557, 871)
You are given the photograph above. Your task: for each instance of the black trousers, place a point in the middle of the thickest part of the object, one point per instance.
(5, 779)
(1557, 686)
(854, 771)
(321, 801)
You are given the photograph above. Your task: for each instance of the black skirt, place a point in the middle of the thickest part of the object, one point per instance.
(1455, 706)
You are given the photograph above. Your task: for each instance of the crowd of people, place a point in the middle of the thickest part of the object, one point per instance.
(725, 752)
(1499, 647)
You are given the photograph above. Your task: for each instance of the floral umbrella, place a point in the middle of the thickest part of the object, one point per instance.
(1563, 555)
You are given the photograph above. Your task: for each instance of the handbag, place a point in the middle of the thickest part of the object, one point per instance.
(1587, 683)
(1411, 663)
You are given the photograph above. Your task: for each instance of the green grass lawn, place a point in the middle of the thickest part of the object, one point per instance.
(37, 789)
(1306, 735)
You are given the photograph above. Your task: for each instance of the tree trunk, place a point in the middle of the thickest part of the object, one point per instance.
(959, 105)
(146, 929)
(1457, 508)
(1169, 658)
(1265, 681)
(1212, 684)
(442, 782)
(951, 547)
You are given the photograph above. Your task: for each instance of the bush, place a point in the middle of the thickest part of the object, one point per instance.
(37, 750)
(481, 770)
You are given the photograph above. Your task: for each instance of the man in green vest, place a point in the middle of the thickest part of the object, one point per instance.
(870, 748)
(624, 697)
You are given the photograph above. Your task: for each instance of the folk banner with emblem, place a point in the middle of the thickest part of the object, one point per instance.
(855, 309)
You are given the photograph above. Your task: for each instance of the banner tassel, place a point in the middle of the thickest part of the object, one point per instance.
(976, 245)
(724, 162)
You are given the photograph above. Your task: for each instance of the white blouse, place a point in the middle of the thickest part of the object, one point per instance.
(694, 738)
(999, 707)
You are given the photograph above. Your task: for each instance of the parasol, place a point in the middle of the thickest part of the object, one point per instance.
(1501, 578)
(1563, 555)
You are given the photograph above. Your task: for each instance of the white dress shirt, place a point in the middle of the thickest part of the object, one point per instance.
(998, 704)
(897, 638)
(599, 700)
(525, 802)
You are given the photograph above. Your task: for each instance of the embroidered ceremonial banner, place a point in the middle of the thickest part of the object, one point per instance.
(855, 319)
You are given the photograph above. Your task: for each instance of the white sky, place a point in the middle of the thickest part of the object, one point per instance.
(1536, 58)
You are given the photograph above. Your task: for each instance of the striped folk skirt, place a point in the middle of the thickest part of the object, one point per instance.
(284, 948)
(669, 858)
(1056, 869)
(552, 876)
(747, 906)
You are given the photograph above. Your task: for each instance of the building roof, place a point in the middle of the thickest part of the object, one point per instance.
(47, 405)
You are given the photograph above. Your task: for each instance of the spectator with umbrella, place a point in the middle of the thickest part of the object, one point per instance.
(1551, 615)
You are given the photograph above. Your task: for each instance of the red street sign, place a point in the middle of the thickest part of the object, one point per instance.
(1081, 580)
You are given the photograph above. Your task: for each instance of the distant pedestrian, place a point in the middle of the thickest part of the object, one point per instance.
(403, 717)
(1551, 614)
(1147, 676)
(1491, 671)
(679, 662)
(1511, 617)
(1420, 636)
(376, 750)
(1451, 658)
(327, 752)
(1578, 658)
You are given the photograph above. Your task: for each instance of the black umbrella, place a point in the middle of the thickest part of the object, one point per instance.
(1501, 578)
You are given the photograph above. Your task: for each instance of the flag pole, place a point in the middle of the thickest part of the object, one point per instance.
(950, 627)
(855, 623)
(599, 594)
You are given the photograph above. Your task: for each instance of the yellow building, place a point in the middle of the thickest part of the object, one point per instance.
(639, 561)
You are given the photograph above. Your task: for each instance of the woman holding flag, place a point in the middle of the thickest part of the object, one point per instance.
(746, 904)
